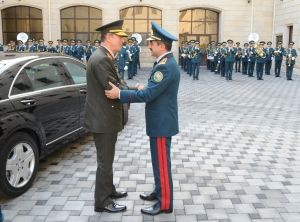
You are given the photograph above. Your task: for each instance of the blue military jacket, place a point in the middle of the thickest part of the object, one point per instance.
(122, 59)
(260, 59)
(31, 48)
(278, 53)
(230, 54)
(42, 48)
(251, 54)
(269, 53)
(79, 52)
(160, 96)
(292, 53)
(197, 58)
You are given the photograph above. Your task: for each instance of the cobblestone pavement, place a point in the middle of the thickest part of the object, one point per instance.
(237, 158)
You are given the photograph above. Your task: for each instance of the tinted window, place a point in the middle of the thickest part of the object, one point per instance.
(38, 76)
(77, 72)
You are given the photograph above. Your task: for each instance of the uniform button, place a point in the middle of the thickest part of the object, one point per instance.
(112, 106)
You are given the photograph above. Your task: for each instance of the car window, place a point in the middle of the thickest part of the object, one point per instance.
(77, 72)
(38, 76)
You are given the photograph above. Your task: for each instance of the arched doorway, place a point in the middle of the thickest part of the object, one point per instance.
(200, 24)
(18, 19)
(80, 22)
(137, 19)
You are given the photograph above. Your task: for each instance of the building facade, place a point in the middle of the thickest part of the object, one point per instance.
(203, 20)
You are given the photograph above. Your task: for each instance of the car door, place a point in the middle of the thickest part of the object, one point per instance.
(77, 74)
(42, 93)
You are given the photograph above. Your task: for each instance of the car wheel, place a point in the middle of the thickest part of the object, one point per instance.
(19, 160)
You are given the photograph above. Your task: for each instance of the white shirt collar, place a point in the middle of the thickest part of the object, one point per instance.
(160, 57)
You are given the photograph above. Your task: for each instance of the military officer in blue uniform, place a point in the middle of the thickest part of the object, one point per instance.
(245, 58)
(251, 58)
(238, 57)
(269, 57)
(41, 46)
(160, 96)
(196, 61)
(260, 60)
(229, 59)
(88, 50)
(131, 56)
(72, 48)
(30, 46)
(190, 50)
(122, 60)
(291, 55)
(217, 58)
(79, 50)
(278, 55)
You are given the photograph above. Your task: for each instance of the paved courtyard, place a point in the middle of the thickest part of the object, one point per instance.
(236, 159)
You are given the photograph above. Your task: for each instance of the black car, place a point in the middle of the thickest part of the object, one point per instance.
(42, 99)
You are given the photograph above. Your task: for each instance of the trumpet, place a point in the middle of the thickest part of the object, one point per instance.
(129, 55)
(288, 57)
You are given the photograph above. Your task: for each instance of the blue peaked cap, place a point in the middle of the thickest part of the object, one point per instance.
(159, 34)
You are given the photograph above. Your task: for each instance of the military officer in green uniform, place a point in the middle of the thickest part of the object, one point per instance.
(260, 60)
(103, 117)
(269, 57)
(160, 96)
(229, 59)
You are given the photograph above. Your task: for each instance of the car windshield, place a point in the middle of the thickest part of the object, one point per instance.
(6, 63)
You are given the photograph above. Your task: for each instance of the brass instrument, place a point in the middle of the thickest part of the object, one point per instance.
(260, 52)
(288, 57)
(277, 52)
(129, 55)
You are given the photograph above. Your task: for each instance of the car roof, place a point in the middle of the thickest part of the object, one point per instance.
(8, 59)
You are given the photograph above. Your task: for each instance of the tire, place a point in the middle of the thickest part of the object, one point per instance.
(19, 158)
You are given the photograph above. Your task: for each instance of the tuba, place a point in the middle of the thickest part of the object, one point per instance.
(260, 52)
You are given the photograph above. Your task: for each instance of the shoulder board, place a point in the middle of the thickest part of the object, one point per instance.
(163, 61)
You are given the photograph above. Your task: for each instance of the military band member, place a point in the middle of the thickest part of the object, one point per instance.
(245, 59)
(291, 55)
(260, 60)
(59, 47)
(238, 57)
(222, 59)
(21, 47)
(51, 48)
(217, 58)
(122, 60)
(183, 54)
(269, 57)
(41, 46)
(72, 47)
(190, 49)
(207, 52)
(65, 47)
(278, 55)
(229, 59)
(212, 53)
(79, 50)
(131, 51)
(135, 56)
(196, 60)
(88, 50)
(30, 46)
(96, 45)
(251, 58)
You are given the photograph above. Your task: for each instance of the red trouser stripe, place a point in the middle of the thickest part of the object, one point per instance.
(161, 173)
(166, 172)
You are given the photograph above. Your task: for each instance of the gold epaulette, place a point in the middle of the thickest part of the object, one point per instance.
(163, 61)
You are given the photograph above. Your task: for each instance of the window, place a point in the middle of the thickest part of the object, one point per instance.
(80, 22)
(77, 72)
(279, 39)
(290, 33)
(138, 19)
(38, 77)
(21, 19)
(199, 24)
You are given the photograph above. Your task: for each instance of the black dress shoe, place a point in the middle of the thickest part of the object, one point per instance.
(111, 208)
(117, 195)
(155, 210)
(148, 197)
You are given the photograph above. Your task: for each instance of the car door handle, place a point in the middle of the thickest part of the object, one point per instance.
(28, 102)
(83, 91)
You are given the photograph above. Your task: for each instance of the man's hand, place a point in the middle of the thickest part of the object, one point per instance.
(139, 86)
(113, 93)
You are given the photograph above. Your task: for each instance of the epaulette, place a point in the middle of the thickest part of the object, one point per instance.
(163, 61)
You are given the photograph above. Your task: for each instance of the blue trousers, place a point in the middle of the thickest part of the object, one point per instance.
(277, 67)
(195, 72)
(161, 164)
(259, 70)
(289, 71)
(228, 70)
